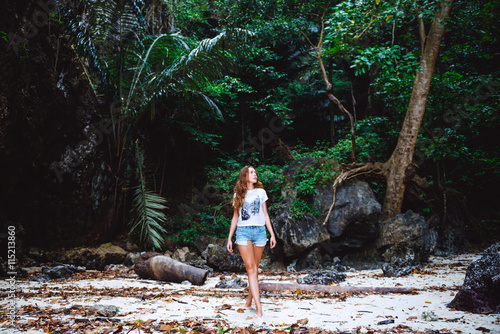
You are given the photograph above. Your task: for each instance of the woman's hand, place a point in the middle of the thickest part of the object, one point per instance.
(272, 241)
(229, 246)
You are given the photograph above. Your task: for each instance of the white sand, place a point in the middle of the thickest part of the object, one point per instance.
(176, 302)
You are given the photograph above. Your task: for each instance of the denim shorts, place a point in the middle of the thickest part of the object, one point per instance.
(256, 235)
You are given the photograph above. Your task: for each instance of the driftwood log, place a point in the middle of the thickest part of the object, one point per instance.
(157, 266)
(280, 287)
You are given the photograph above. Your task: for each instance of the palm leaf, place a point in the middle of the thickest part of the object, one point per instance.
(80, 38)
(211, 59)
(147, 214)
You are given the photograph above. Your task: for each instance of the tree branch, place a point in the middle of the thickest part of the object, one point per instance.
(421, 32)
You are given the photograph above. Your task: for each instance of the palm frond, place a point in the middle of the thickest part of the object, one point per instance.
(81, 40)
(147, 217)
(117, 22)
(143, 74)
(211, 59)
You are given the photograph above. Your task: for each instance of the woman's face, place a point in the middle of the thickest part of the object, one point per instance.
(252, 175)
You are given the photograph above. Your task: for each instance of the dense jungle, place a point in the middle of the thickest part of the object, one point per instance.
(127, 121)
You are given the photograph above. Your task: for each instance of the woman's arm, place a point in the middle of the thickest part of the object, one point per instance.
(234, 222)
(272, 241)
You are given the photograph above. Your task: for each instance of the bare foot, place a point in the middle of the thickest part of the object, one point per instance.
(258, 313)
(248, 303)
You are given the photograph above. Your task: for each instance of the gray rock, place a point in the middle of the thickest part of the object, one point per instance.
(312, 260)
(405, 240)
(354, 220)
(480, 291)
(323, 277)
(456, 234)
(62, 271)
(429, 316)
(219, 258)
(115, 267)
(352, 224)
(397, 270)
(104, 310)
(43, 278)
(201, 243)
(94, 258)
(233, 283)
(183, 255)
(297, 235)
(131, 258)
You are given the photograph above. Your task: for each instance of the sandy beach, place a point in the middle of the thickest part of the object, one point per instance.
(65, 305)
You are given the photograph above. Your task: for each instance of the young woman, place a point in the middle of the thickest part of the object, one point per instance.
(250, 219)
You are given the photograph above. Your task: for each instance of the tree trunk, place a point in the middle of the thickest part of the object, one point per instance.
(163, 268)
(400, 163)
(280, 287)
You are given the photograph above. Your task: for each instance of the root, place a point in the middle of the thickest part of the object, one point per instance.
(375, 169)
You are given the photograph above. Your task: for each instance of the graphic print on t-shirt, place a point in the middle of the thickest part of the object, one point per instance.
(250, 209)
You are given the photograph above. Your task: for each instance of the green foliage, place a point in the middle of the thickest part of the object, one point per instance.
(189, 16)
(148, 218)
(147, 213)
(220, 329)
(301, 207)
(207, 221)
(223, 179)
(198, 135)
(376, 138)
(473, 37)
(308, 179)
(204, 216)
(204, 82)
(3, 35)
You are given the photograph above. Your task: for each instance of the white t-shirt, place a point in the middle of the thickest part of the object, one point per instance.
(252, 211)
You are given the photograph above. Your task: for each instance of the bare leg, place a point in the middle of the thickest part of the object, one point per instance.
(248, 254)
(257, 251)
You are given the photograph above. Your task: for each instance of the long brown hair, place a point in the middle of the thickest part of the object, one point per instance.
(240, 189)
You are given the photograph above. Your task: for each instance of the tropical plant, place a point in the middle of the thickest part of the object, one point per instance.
(148, 216)
(131, 70)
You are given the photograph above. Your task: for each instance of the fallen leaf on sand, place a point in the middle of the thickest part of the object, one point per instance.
(240, 310)
(303, 321)
(165, 328)
(279, 331)
(248, 330)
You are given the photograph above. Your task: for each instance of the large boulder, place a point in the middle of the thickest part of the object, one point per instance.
(323, 277)
(297, 233)
(94, 258)
(220, 259)
(201, 242)
(481, 289)
(353, 223)
(456, 234)
(354, 220)
(312, 260)
(405, 241)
